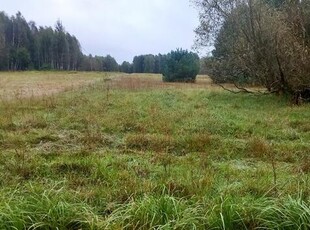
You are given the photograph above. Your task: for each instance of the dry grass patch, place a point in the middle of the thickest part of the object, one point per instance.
(18, 85)
(258, 148)
(198, 142)
(154, 81)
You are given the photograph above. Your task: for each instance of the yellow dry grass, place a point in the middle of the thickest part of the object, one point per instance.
(154, 81)
(18, 85)
(32, 84)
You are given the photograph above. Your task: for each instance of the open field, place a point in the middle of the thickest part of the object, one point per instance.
(32, 84)
(135, 153)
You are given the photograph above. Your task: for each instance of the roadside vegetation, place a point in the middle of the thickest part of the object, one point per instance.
(133, 152)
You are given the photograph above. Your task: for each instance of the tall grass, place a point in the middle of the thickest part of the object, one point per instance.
(82, 160)
(166, 212)
(47, 209)
(291, 213)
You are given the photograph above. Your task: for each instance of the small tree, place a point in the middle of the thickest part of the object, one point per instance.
(126, 67)
(181, 66)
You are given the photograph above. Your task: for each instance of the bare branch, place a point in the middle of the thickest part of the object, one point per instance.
(229, 90)
(244, 90)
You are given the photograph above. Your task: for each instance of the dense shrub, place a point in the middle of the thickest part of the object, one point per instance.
(181, 66)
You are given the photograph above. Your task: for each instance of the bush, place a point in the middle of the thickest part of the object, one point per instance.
(221, 71)
(181, 66)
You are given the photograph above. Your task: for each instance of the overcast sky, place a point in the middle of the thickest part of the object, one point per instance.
(121, 28)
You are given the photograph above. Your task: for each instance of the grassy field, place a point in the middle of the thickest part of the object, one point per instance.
(130, 152)
(18, 85)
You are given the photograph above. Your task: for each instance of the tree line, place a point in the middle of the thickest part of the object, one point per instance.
(24, 45)
(262, 42)
(147, 63)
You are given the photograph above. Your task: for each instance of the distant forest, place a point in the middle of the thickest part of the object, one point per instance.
(26, 46)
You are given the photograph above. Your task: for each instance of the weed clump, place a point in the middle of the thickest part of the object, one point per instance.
(258, 148)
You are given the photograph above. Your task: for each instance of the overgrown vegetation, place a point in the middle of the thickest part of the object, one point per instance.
(259, 42)
(107, 156)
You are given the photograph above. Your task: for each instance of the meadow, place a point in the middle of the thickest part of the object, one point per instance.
(116, 151)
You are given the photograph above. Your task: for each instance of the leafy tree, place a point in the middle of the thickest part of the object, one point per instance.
(19, 40)
(257, 41)
(158, 63)
(126, 67)
(138, 64)
(61, 47)
(149, 64)
(33, 47)
(181, 66)
(110, 64)
(86, 63)
(98, 63)
(75, 52)
(46, 53)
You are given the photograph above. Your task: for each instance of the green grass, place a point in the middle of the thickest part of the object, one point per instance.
(164, 157)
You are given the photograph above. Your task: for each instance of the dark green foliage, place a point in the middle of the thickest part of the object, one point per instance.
(138, 66)
(148, 63)
(126, 67)
(181, 66)
(25, 46)
(21, 58)
(99, 63)
(276, 3)
(109, 64)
